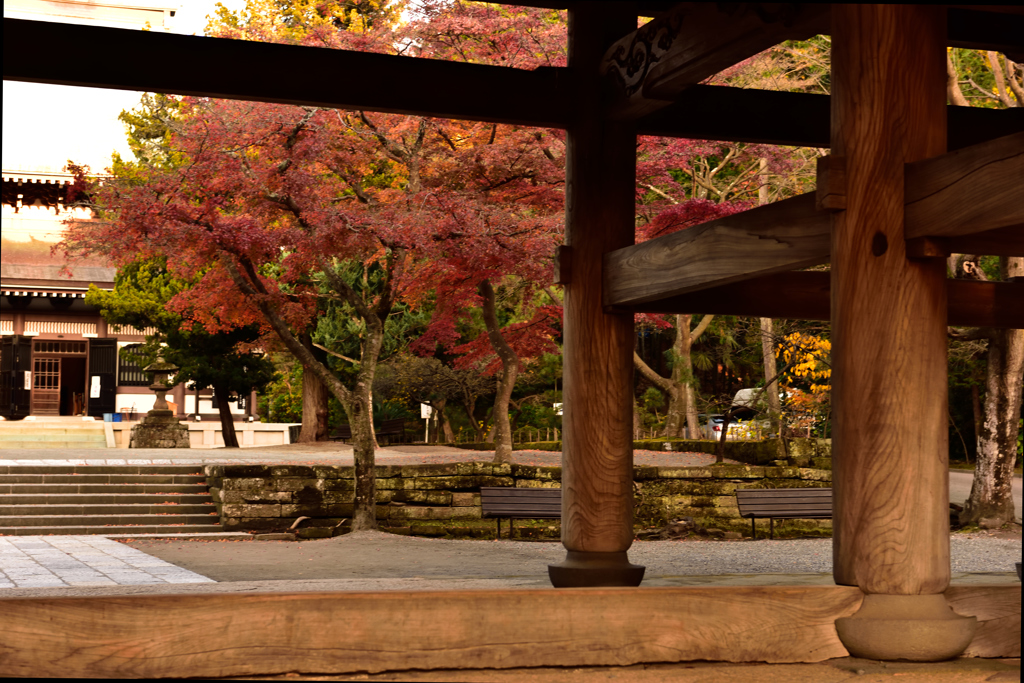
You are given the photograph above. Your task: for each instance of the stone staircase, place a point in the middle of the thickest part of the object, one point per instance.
(105, 499)
(65, 432)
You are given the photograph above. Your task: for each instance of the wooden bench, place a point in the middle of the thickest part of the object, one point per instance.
(513, 503)
(783, 504)
(389, 428)
(342, 433)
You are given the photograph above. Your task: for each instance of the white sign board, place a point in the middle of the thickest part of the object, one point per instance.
(94, 387)
(28, 380)
(426, 411)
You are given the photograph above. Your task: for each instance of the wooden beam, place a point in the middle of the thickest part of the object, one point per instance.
(987, 30)
(796, 295)
(295, 75)
(714, 112)
(694, 41)
(968, 191)
(248, 634)
(986, 304)
(783, 236)
(1008, 241)
(288, 74)
(806, 295)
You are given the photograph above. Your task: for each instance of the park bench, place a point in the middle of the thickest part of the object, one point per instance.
(387, 429)
(342, 433)
(390, 428)
(512, 503)
(783, 504)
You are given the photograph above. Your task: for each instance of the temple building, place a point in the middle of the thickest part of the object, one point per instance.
(58, 357)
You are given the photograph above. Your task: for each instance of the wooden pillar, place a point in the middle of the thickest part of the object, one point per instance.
(597, 445)
(890, 479)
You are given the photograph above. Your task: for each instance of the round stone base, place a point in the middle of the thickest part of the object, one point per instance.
(919, 628)
(582, 569)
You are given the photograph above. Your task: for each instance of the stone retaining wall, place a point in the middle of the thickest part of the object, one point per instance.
(799, 452)
(444, 500)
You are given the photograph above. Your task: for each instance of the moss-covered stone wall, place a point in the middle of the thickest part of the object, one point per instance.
(444, 500)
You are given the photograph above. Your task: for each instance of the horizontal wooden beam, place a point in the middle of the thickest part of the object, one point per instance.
(709, 112)
(786, 235)
(1008, 241)
(986, 30)
(245, 634)
(806, 295)
(694, 41)
(100, 57)
(971, 190)
(206, 67)
(795, 295)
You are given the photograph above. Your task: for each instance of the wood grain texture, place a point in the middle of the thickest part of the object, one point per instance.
(890, 450)
(806, 295)
(597, 454)
(998, 611)
(234, 634)
(777, 237)
(971, 190)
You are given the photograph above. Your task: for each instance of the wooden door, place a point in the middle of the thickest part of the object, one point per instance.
(46, 385)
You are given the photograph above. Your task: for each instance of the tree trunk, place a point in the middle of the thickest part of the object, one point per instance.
(446, 427)
(314, 409)
(227, 421)
(990, 504)
(682, 375)
(507, 381)
(682, 408)
(314, 399)
(772, 392)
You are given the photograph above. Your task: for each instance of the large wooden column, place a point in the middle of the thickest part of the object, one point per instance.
(597, 445)
(891, 518)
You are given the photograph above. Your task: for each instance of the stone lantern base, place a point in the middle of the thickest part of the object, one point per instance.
(159, 429)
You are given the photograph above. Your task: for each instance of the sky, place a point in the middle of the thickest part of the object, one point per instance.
(45, 125)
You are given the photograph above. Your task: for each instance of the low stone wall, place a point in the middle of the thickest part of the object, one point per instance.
(444, 500)
(800, 452)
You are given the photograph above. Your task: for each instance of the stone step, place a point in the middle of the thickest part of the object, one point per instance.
(101, 488)
(70, 437)
(40, 427)
(91, 478)
(131, 530)
(93, 509)
(194, 468)
(126, 519)
(106, 499)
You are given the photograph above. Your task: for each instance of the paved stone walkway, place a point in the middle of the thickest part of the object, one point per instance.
(80, 561)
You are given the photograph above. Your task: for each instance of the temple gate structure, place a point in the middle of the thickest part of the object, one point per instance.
(909, 180)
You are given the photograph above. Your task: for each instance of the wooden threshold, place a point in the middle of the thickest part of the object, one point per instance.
(234, 634)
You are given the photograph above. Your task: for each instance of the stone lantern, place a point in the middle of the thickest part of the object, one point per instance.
(160, 429)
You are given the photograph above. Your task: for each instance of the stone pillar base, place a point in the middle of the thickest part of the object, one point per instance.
(919, 628)
(159, 429)
(583, 569)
